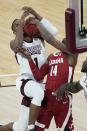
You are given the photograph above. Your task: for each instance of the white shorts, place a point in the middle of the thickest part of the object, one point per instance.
(31, 89)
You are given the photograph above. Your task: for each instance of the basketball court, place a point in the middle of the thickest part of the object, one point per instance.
(54, 11)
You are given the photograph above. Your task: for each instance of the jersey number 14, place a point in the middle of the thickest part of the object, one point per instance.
(53, 71)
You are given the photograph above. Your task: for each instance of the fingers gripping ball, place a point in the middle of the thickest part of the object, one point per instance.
(32, 30)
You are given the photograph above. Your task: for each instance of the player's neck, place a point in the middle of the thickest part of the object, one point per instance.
(28, 39)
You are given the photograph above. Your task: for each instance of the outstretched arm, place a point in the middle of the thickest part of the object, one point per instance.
(19, 34)
(50, 38)
(73, 87)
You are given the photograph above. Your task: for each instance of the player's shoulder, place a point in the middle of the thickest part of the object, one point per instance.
(57, 54)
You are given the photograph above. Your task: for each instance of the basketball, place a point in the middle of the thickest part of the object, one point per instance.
(31, 30)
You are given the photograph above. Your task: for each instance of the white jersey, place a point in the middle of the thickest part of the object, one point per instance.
(83, 83)
(38, 55)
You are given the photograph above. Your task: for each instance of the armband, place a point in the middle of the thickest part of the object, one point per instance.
(50, 28)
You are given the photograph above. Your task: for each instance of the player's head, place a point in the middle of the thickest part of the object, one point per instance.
(84, 66)
(30, 28)
(14, 25)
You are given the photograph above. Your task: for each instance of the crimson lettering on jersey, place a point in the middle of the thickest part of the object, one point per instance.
(60, 71)
(34, 49)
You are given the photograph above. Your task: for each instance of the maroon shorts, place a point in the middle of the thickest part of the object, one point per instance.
(60, 110)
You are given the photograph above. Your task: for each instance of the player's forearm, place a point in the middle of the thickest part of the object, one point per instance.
(49, 27)
(38, 73)
(45, 34)
(19, 36)
(50, 38)
(37, 15)
(73, 87)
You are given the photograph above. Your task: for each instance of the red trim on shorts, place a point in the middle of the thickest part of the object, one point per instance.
(26, 100)
(23, 85)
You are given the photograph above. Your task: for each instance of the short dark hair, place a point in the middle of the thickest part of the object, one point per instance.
(12, 26)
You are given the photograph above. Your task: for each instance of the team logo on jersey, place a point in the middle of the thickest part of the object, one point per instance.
(34, 49)
(59, 60)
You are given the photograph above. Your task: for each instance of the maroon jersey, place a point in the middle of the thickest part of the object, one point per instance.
(60, 71)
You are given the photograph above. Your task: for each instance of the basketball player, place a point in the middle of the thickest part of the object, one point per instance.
(60, 69)
(75, 87)
(26, 84)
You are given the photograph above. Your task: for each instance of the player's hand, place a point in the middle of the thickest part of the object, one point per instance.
(24, 52)
(32, 11)
(58, 93)
(24, 15)
(29, 9)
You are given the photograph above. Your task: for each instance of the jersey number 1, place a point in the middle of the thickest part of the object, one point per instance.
(36, 61)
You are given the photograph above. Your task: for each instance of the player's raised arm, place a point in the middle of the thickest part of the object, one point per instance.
(17, 28)
(48, 25)
(50, 38)
(33, 12)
